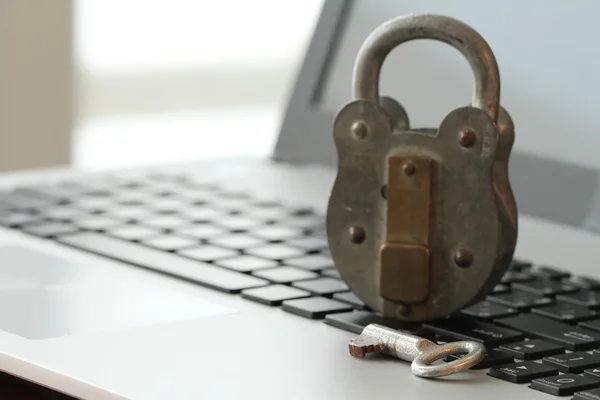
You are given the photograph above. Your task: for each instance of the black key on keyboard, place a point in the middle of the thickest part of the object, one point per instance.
(239, 241)
(278, 233)
(202, 273)
(246, 263)
(532, 349)
(274, 295)
(492, 358)
(170, 242)
(583, 298)
(593, 325)
(331, 273)
(592, 373)
(574, 362)
(285, 274)
(96, 222)
(571, 337)
(522, 372)
(486, 311)
(584, 282)
(588, 394)
(14, 219)
(350, 298)
(517, 276)
(133, 232)
(315, 307)
(313, 262)
(322, 286)
(520, 265)
(208, 253)
(520, 300)
(275, 251)
(545, 287)
(470, 329)
(356, 321)
(552, 273)
(49, 229)
(500, 288)
(565, 312)
(21, 202)
(563, 385)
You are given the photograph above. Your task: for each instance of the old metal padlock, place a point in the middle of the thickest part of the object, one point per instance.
(422, 222)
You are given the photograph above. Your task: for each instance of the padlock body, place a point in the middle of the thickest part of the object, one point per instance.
(436, 209)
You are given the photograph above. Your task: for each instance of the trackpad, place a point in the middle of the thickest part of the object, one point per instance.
(44, 296)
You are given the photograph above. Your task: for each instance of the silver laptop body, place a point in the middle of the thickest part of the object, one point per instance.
(139, 325)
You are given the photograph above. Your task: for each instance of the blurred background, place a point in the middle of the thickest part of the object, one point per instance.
(114, 83)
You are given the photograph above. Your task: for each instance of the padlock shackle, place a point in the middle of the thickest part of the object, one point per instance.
(367, 68)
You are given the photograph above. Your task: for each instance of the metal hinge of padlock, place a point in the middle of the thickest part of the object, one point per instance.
(422, 222)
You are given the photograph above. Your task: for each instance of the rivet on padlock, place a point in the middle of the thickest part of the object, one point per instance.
(422, 222)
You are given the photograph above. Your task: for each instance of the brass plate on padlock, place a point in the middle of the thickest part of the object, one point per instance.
(405, 272)
(405, 260)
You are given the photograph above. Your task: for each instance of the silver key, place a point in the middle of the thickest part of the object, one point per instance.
(421, 352)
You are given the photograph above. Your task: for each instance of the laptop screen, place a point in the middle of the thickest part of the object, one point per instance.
(548, 60)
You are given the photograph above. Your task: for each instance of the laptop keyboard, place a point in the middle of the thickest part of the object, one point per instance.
(541, 325)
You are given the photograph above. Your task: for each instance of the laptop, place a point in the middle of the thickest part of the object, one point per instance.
(212, 280)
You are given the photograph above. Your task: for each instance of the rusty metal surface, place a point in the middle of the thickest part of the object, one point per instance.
(461, 218)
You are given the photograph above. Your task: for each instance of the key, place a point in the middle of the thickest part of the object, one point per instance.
(532, 349)
(202, 273)
(571, 337)
(276, 232)
(545, 287)
(420, 352)
(593, 325)
(583, 298)
(350, 298)
(492, 358)
(275, 251)
(520, 300)
(49, 229)
(331, 273)
(238, 241)
(471, 329)
(133, 232)
(356, 321)
(574, 362)
(15, 219)
(322, 286)
(587, 394)
(246, 263)
(285, 274)
(522, 372)
(486, 311)
(170, 242)
(563, 385)
(552, 273)
(314, 262)
(274, 295)
(315, 307)
(565, 312)
(584, 282)
(517, 276)
(500, 288)
(519, 265)
(592, 373)
(207, 253)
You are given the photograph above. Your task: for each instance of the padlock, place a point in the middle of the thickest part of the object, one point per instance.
(422, 222)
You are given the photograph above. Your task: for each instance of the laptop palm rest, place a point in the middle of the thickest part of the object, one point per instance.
(43, 296)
